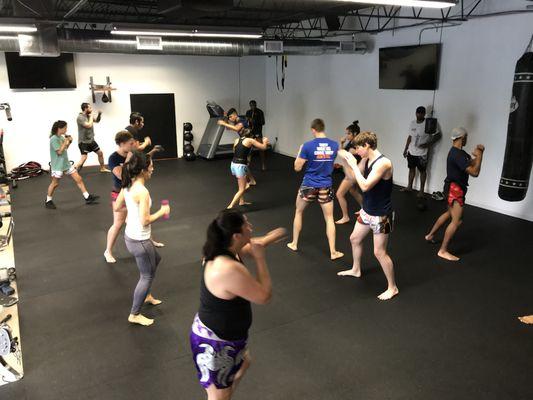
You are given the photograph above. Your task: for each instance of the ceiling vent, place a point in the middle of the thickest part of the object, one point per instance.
(273, 46)
(348, 46)
(149, 43)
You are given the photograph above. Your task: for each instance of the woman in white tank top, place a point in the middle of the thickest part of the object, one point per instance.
(134, 194)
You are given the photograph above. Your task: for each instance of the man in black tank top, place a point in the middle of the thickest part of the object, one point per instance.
(374, 176)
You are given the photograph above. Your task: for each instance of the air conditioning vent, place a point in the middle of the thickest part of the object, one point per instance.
(273, 46)
(347, 47)
(149, 43)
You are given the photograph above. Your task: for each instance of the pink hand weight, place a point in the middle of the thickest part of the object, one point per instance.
(165, 203)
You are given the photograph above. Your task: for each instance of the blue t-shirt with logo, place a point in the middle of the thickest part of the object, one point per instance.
(320, 154)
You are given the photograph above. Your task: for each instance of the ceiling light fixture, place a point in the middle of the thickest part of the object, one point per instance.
(409, 3)
(17, 28)
(182, 44)
(117, 41)
(187, 34)
(8, 37)
(198, 44)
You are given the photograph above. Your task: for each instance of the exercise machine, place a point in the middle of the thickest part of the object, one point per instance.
(210, 144)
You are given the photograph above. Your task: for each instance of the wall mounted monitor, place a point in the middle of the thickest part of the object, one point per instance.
(409, 67)
(41, 72)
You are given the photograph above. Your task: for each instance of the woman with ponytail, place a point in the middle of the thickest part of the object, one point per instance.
(220, 329)
(347, 185)
(60, 164)
(135, 196)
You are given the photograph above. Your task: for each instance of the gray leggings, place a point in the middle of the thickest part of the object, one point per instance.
(147, 259)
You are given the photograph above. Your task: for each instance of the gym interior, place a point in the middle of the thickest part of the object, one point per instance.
(175, 118)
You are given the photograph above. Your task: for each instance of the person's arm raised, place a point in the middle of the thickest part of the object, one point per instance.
(89, 122)
(240, 282)
(147, 142)
(117, 171)
(235, 128)
(144, 209)
(353, 171)
(274, 236)
(475, 165)
(63, 146)
(262, 146)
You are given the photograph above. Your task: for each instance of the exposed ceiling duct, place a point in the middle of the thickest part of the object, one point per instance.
(74, 42)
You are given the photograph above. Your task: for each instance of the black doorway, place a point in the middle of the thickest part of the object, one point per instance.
(159, 120)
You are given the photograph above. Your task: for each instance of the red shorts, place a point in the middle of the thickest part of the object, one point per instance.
(455, 193)
(114, 196)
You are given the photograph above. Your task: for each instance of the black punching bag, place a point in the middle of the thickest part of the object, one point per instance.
(519, 148)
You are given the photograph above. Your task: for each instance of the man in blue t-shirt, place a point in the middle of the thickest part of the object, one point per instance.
(459, 166)
(319, 155)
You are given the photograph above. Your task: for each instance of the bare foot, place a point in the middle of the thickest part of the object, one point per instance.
(420, 194)
(429, 238)
(343, 220)
(140, 319)
(292, 246)
(389, 293)
(447, 256)
(158, 244)
(406, 189)
(528, 319)
(336, 254)
(104, 169)
(245, 203)
(350, 272)
(109, 257)
(151, 300)
(252, 183)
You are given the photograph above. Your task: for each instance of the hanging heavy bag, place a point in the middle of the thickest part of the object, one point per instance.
(519, 149)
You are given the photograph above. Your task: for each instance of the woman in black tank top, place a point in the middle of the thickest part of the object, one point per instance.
(348, 185)
(239, 165)
(220, 329)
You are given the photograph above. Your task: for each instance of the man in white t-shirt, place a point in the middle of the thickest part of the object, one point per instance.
(416, 150)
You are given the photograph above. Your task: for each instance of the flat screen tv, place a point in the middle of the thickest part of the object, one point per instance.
(409, 67)
(41, 72)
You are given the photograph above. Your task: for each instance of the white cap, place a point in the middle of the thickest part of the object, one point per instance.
(458, 133)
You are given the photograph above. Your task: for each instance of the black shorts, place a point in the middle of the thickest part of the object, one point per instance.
(419, 162)
(86, 148)
(322, 195)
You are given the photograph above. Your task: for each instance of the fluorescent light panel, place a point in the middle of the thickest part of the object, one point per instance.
(408, 3)
(187, 34)
(8, 37)
(17, 28)
(198, 44)
(184, 44)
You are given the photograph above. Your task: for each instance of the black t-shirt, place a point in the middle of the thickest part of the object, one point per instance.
(257, 119)
(456, 164)
(116, 160)
(137, 133)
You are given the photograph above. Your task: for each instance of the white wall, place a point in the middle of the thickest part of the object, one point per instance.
(476, 77)
(192, 79)
(252, 70)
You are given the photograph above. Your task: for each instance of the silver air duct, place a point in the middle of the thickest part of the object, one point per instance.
(74, 42)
